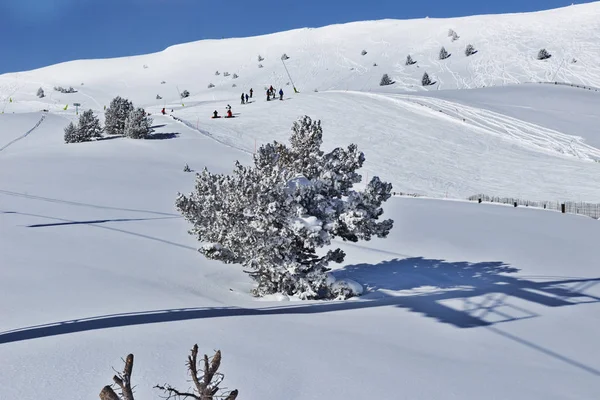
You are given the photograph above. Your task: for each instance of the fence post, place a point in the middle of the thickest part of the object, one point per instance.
(563, 208)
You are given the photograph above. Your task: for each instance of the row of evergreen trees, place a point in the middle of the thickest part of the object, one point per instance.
(120, 118)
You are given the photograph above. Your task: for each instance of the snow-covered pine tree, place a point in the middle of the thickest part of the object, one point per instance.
(40, 93)
(284, 56)
(260, 58)
(543, 54)
(158, 97)
(72, 134)
(210, 85)
(260, 65)
(385, 80)
(451, 32)
(409, 60)
(363, 53)
(470, 50)
(425, 81)
(443, 53)
(217, 73)
(185, 94)
(116, 114)
(225, 73)
(455, 36)
(138, 125)
(272, 217)
(235, 76)
(89, 126)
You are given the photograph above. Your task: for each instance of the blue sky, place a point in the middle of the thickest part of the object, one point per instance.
(35, 33)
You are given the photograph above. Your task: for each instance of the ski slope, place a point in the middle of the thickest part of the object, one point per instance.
(463, 301)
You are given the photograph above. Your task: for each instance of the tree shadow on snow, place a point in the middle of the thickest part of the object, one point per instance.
(462, 294)
(162, 136)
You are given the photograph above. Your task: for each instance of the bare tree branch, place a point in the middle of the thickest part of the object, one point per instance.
(172, 392)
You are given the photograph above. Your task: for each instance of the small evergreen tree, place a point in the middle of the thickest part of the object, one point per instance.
(455, 36)
(185, 94)
(385, 80)
(72, 134)
(451, 32)
(470, 50)
(40, 93)
(89, 126)
(364, 52)
(235, 76)
(425, 81)
(443, 53)
(409, 60)
(158, 97)
(273, 217)
(116, 114)
(217, 73)
(225, 73)
(284, 57)
(260, 65)
(260, 58)
(543, 54)
(138, 125)
(210, 85)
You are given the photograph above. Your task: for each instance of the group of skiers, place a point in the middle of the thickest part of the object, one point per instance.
(271, 93)
(229, 113)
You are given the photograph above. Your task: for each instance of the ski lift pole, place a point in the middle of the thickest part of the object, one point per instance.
(288, 74)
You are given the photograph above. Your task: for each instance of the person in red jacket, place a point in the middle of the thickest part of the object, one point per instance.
(229, 114)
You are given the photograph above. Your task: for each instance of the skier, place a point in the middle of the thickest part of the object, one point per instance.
(268, 95)
(229, 114)
(280, 94)
(251, 91)
(243, 98)
(246, 97)
(215, 114)
(163, 111)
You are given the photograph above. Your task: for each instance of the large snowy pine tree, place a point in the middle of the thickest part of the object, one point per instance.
(89, 125)
(385, 80)
(138, 125)
(272, 217)
(116, 114)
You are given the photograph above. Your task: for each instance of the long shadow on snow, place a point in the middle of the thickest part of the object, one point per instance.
(97, 221)
(162, 136)
(452, 281)
(79, 204)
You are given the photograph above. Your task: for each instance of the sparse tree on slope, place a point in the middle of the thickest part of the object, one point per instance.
(89, 125)
(426, 81)
(385, 80)
(409, 60)
(138, 125)
(272, 217)
(116, 114)
(543, 54)
(443, 53)
(40, 93)
(470, 50)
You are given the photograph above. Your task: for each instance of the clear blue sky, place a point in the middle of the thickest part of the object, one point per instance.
(35, 33)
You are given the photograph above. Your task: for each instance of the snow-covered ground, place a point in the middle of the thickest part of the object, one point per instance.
(464, 301)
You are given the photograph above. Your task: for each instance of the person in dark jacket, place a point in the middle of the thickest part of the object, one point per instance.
(280, 94)
(251, 91)
(268, 95)
(243, 97)
(246, 97)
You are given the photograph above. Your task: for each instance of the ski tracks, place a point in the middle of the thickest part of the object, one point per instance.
(23, 136)
(527, 134)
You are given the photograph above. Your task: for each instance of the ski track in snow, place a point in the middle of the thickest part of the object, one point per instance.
(25, 134)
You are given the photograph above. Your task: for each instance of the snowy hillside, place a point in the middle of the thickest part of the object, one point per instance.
(462, 300)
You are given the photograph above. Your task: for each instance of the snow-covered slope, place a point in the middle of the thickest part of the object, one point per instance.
(330, 58)
(464, 301)
(96, 263)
